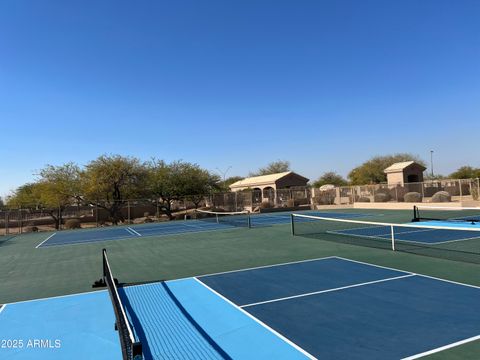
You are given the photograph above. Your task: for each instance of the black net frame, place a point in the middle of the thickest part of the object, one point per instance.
(131, 349)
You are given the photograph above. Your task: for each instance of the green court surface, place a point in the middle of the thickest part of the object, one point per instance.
(30, 273)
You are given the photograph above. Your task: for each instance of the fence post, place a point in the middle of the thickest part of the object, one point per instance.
(20, 228)
(461, 193)
(96, 213)
(128, 211)
(7, 220)
(478, 189)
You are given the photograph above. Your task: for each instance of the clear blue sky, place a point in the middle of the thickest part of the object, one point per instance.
(323, 84)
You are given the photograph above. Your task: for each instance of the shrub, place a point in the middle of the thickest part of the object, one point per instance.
(325, 198)
(72, 224)
(412, 197)
(30, 228)
(363, 199)
(441, 196)
(381, 197)
(265, 205)
(475, 194)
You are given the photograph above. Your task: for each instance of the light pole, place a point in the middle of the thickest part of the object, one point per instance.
(431, 162)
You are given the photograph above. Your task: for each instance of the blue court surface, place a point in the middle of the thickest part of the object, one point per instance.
(330, 308)
(71, 237)
(417, 235)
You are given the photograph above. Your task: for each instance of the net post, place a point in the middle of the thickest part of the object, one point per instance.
(292, 225)
(218, 221)
(104, 261)
(249, 221)
(392, 232)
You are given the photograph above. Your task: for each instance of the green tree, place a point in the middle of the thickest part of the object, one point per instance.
(224, 185)
(55, 189)
(466, 172)
(179, 180)
(26, 196)
(372, 171)
(330, 177)
(59, 187)
(110, 180)
(274, 167)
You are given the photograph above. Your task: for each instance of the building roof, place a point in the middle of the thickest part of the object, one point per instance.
(262, 180)
(401, 165)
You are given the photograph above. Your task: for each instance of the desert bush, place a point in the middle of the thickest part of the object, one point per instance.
(72, 224)
(474, 192)
(441, 196)
(325, 197)
(178, 216)
(265, 205)
(381, 197)
(363, 199)
(30, 228)
(412, 197)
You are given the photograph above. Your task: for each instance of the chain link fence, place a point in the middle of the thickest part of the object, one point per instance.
(134, 211)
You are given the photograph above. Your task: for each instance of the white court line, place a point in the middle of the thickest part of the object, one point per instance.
(3, 308)
(36, 247)
(133, 231)
(258, 267)
(449, 346)
(288, 341)
(327, 291)
(56, 297)
(390, 268)
(144, 237)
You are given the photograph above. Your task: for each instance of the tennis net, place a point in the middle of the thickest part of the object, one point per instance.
(456, 242)
(237, 219)
(131, 349)
(443, 213)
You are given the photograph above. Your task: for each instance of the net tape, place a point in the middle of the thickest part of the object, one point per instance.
(239, 218)
(455, 242)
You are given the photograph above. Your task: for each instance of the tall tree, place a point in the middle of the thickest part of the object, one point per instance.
(59, 186)
(330, 177)
(224, 185)
(178, 180)
(372, 171)
(55, 189)
(110, 180)
(466, 172)
(273, 168)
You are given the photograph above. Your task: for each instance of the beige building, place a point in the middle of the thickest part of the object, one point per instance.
(404, 172)
(266, 185)
(282, 180)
